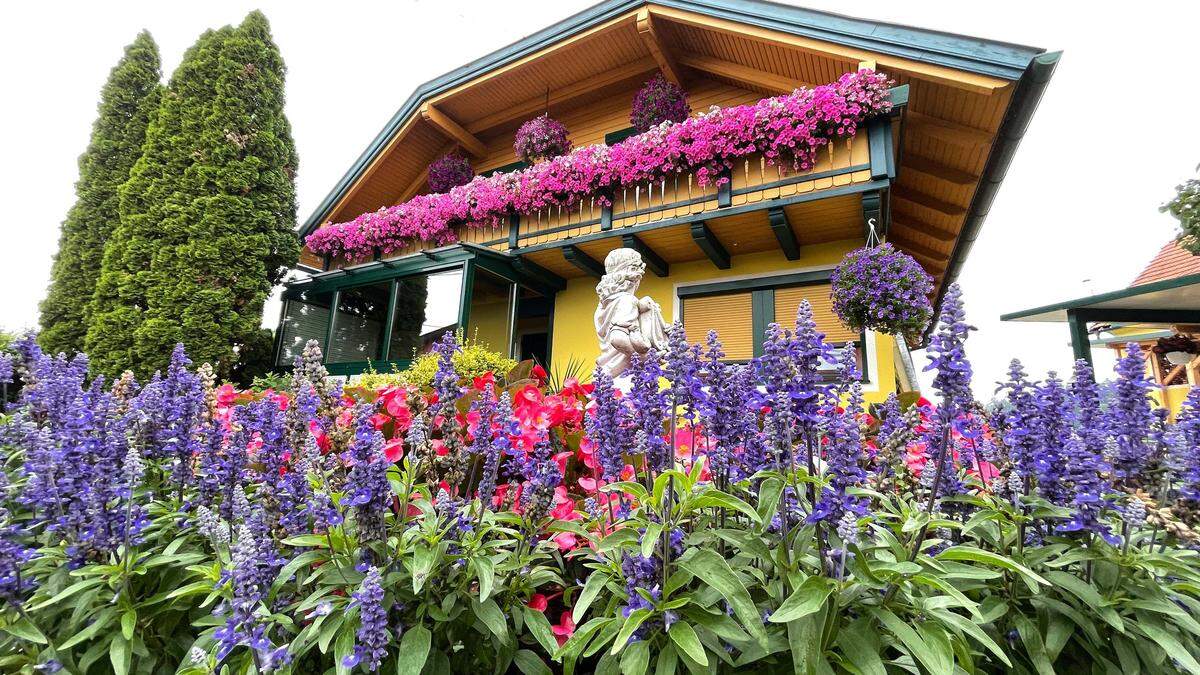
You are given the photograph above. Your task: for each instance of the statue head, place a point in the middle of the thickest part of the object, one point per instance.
(623, 271)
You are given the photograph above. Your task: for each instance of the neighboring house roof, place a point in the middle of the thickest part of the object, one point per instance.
(1171, 262)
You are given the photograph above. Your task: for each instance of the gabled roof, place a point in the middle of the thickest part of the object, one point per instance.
(1172, 261)
(972, 55)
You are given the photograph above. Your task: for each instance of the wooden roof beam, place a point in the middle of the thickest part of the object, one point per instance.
(653, 260)
(784, 234)
(658, 49)
(926, 201)
(563, 95)
(920, 251)
(453, 130)
(923, 228)
(980, 84)
(583, 261)
(939, 171)
(953, 133)
(422, 178)
(736, 71)
(707, 242)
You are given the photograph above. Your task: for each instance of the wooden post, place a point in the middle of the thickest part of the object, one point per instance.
(1079, 336)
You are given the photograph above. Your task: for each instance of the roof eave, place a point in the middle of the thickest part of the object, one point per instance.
(969, 54)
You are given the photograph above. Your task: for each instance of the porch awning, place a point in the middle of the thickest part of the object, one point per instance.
(1168, 302)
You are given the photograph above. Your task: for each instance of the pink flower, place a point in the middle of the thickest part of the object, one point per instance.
(565, 628)
(538, 602)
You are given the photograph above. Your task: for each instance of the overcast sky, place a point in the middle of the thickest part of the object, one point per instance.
(1077, 213)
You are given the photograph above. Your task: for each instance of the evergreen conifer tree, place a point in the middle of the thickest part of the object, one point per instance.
(128, 99)
(207, 216)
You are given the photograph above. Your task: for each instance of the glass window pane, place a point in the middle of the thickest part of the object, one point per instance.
(359, 324)
(305, 318)
(426, 307)
(491, 312)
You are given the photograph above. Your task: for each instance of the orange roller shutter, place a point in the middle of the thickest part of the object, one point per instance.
(729, 315)
(787, 301)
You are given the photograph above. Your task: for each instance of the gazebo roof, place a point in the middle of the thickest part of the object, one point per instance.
(1175, 300)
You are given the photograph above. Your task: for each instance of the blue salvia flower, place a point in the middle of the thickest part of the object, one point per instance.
(1085, 472)
(649, 407)
(170, 408)
(372, 636)
(542, 476)
(1020, 435)
(681, 367)
(367, 485)
(1053, 425)
(255, 563)
(843, 447)
(6, 368)
(607, 427)
(1129, 416)
(1187, 447)
(445, 379)
(1086, 413)
(723, 413)
(947, 356)
(14, 586)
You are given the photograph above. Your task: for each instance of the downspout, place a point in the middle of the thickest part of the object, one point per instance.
(1025, 101)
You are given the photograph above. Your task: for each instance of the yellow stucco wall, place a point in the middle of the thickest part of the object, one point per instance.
(575, 334)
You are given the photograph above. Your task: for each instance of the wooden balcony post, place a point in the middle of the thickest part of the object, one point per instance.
(725, 189)
(514, 226)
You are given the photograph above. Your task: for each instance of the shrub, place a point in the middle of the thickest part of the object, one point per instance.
(449, 171)
(471, 360)
(716, 517)
(542, 137)
(658, 101)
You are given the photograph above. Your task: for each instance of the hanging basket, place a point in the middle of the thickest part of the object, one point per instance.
(449, 171)
(881, 289)
(658, 101)
(542, 137)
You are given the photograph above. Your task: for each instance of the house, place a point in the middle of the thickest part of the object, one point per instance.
(1160, 311)
(732, 256)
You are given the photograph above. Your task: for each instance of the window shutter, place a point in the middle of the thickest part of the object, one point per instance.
(787, 301)
(729, 315)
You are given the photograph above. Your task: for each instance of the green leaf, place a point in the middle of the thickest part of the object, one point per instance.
(414, 650)
(945, 587)
(307, 541)
(650, 539)
(119, 655)
(1034, 647)
(725, 501)
(26, 631)
(575, 644)
(631, 624)
(667, 661)
(128, 622)
(971, 628)
(860, 647)
(1090, 597)
(491, 616)
(804, 640)
(591, 589)
(485, 571)
(539, 626)
(639, 492)
(194, 588)
(342, 648)
(636, 658)
(807, 598)
(68, 592)
(914, 644)
(1170, 645)
(684, 637)
(713, 570)
(98, 625)
(768, 499)
(530, 663)
(1031, 579)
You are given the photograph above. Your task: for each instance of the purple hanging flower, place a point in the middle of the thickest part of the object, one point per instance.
(882, 289)
(449, 171)
(659, 100)
(542, 137)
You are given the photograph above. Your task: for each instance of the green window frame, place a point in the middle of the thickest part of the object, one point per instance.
(762, 304)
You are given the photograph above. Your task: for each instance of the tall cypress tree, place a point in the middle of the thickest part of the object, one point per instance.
(207, 217)
(128, 99)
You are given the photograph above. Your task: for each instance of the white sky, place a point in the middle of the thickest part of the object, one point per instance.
(1077, 213)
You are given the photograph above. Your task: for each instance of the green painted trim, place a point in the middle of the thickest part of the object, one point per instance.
(333, 310)
(974, 55)
(794, 279)
(1080, 343)
(507, 168)
(1124, 293)
(390, 321)
(277, 341)
(383, 270)
(464, 300)
(614, 137)
(762, 314)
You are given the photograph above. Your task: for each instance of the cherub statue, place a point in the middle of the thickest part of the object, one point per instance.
(625, 324)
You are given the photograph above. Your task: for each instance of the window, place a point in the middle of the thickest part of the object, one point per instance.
(491, 312)
(787, 301)
(359, 324)
(304, 318)
(426, 307)
(740, 312)
(729, 314)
